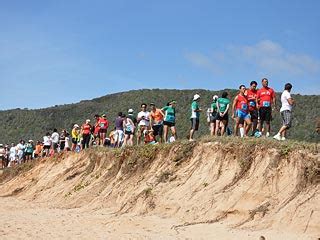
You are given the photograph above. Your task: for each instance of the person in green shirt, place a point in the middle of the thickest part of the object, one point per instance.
(195, 115)
(169, 120)
(223, 105)
(213, 115)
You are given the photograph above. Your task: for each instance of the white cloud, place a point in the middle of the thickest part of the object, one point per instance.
(265, 57)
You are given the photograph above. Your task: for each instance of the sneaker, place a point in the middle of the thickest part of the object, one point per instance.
(283, 138)
(267, 134)
(277, 137)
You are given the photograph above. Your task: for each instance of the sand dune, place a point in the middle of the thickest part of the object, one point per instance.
(205, 190)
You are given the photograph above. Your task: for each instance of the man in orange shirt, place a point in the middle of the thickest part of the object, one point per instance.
(156, 121)
(266, 98)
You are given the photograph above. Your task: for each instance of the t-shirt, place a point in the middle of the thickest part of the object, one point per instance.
(195, 106)
(156, 116)
(86, 128)
(144, 118)
(284, 101)
(265, 96)
(242, 104)
(55, 137)
(223, 103)
(214, 107)
(169, 114)
(46, 141)
(251, 96)
(133, 118)
(119, 123)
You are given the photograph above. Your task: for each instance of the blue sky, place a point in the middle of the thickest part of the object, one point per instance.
(56, 52)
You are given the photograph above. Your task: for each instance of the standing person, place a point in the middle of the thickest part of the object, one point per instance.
(119, 134)
(2, 156)
(252, 98)
(20, 153)
(129, 127)
(156, 121)
(55, 140)
(240, 110)
(29, 150)
(286, 112)
(13, 155)
(96, 129)
(132, 117)
(223, 105)
(86, 134)
(143, 121)
(62, 139)
(38, 150)
(46, 144)
(169, 120)
(195, 116)
(103, 125)
(213, 115)
(266, 98)
(75, 136)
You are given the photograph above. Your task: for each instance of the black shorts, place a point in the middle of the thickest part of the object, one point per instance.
(265, 114)
(224, 118)
(213, 117)
(194, 123)
(28, 154)
(128, 133)
(157, 130)
(169, 124)
(74, 140)
(254, 114)
(55, 146)
(46, 147)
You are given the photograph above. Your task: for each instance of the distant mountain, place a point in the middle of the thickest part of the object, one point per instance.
(33, 124)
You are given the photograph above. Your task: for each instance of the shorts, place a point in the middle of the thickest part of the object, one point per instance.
(28, 154)
(118, 136)
(74, 140)
(254, 114)
(242, 115)
(55, 146)
(213, 117)
(194, 123)
(157, 130)
(46, 147)
(224, 118)
(265, 114)
(169, 124)
(286, 118)
(103, 130)
(128, 133)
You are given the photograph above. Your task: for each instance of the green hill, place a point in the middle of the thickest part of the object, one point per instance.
(33, 124)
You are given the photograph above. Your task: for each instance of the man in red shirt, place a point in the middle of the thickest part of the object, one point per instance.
(266, 97)
(251, 94)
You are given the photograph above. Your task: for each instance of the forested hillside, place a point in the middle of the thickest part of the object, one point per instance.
(33, 124)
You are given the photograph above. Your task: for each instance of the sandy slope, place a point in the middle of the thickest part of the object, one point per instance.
(192, 190)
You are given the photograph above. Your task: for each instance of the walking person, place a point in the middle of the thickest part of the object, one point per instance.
(169, 121)
(266, 98)
(195, 116)
(286, 112)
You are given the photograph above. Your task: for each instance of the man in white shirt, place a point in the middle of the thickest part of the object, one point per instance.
(143, 120)
(286, 112)
(55, 139)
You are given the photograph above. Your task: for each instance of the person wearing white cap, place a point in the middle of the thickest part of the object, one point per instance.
(213, 115)
(75, 135)
(195, 115)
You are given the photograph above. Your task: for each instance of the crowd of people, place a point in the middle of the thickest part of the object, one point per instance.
(251, 109)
